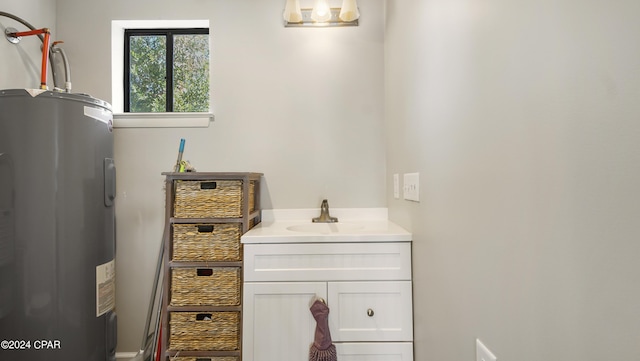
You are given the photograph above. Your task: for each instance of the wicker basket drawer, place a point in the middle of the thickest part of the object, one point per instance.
(211, 199)
(206, 358)
(205, 286)
(207, 242)
(204, 331)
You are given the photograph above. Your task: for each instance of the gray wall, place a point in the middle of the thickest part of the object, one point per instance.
(522, 118)
(303, 106)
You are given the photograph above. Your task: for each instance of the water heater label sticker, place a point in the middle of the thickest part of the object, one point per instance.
(105, 288)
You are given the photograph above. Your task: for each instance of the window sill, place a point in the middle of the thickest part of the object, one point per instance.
(162, 120)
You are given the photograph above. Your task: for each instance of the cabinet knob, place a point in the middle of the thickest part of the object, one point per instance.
(370, 312)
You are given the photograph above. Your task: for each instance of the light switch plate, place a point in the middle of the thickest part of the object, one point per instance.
(411, 187)
(396, 186)
(483, 353)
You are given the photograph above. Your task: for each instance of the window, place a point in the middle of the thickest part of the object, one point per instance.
(166, 70)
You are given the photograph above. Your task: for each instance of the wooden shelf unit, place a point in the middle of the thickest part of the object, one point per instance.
(248, 217)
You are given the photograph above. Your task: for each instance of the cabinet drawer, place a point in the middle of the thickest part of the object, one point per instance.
(206, 242)
(205, 331)
(211, 198)
(370, 311)
(331, 261)
(206, 358)
(205, 286)
(375, 351)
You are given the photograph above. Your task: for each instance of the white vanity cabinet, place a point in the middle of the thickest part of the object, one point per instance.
(367, 286)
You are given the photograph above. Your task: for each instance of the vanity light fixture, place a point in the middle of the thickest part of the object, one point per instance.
(321, 12)
(292, 12)
(349, 11)
(322, 15)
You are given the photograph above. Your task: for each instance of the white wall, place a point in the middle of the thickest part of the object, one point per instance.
(522, 118)
(21, 63)
(303, 106)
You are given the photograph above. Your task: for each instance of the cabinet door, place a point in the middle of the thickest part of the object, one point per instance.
(375, 351)
(370, 311)
(277, 323)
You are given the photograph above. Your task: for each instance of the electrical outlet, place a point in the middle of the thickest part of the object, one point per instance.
(483, 353)
(411, 189)
(396, 186)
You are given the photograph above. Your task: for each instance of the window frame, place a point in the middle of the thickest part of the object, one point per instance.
(168, 33)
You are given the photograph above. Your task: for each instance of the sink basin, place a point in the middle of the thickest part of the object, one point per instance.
(325, 228)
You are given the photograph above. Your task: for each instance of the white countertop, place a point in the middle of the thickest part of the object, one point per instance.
(354, 225)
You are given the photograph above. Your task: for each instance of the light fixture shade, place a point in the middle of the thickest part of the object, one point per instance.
(292, 11)
(321, 11)
(349, 11)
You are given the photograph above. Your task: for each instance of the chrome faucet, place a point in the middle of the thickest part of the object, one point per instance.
(324, 214)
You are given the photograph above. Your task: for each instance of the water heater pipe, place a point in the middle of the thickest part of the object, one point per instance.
(67, 70)
(27, 24)
(45, 51)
